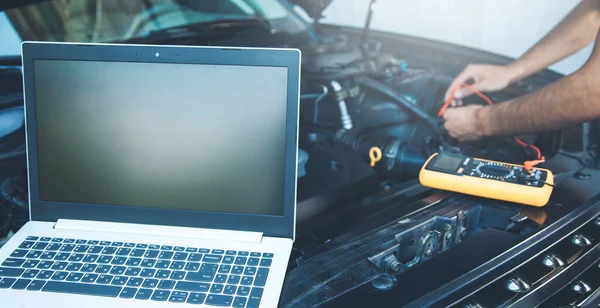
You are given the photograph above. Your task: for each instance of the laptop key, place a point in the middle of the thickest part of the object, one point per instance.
(103, 269)
(104, 279)
(32, 238)
(12, 262)
(241, 260)
(142, 246)
(93, 242)
(21, 284)
(254, 299)
(203, 250)
(74, 267)
(231, 252)
(67, 247)
(206, 267)
(119, 261)
(166, 255)
(228, 259)
(253, 261)
(177, 275)
(148, 272)
(119, 281)
(31, 263)
(163, 274)
(80, 242)
(74, 277)
(217, 288)
(45, 274)
(59, 266)
(45, 264)
(180, 256)
(192, 286)
(195, 257)
(166, 284)
(6, 283)
(212, 258)
(134, 282)
(88, 268)
(267, 255)
(178, 297)
(151, 254)
(237, 270)
(243, 291)
(230, 290)
(196, 298)
(177, 265)
(178, 248)
(53, 247)
(129, 245)
(104, 243)
(192, 266)
(150, 283)
(266, 262)
(255, 254)
(117, 244)
(218, 251)
(26, 245)
(45, 239)
(243, 253)
(123, 252)
(127, 293)
(90, 258)
(160, 295)
(95, 249)
(153, 246)
(191, 249)
(81, 248)
(40, 246)
(247, 281)
(234, 279)
(137, 253)
(143, 294)
(62, 256)
(60, 276)
(200, 276)
(225, 269)
(30, 273)
(89, 278)
(261, 277)
(165, 247)
(219, 300)
(104, 259)
(148, 263)
(10, 272)
(36, 285)
(69, 240)
(78, 257)
(220, 278)
(19, 253)
(109, 250)
(162, 264)
(239, 302)
(119, 270)
(250, 271)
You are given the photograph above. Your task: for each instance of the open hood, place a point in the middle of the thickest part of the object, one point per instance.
(314, 8)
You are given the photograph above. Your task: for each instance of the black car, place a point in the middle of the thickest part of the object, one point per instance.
(368, 233)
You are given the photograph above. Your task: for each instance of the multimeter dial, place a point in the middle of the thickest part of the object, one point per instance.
(493, 170)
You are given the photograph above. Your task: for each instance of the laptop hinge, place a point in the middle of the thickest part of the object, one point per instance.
(187, 232)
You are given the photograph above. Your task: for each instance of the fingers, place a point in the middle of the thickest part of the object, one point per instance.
(465, 75)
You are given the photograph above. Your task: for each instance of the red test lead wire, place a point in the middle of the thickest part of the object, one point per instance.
(527, 164)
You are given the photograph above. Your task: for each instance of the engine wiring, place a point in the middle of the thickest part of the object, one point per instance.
(527, 164)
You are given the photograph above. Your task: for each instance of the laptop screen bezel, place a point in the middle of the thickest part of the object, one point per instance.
(275, 226)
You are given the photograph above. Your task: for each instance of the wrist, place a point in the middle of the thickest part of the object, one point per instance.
(516, 71)
(483, 122)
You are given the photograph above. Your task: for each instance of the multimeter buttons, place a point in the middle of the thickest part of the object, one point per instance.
(492, 170)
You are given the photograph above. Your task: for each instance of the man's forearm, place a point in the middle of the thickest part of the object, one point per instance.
(571, 100)
(575, 31)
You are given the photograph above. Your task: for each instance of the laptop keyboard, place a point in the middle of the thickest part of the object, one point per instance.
(224, 278)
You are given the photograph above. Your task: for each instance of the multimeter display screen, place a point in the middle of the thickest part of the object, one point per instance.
(449, 163)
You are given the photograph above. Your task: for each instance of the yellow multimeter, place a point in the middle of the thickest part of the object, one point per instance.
(488, 179)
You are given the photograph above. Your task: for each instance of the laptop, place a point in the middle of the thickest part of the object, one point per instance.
(159, 176)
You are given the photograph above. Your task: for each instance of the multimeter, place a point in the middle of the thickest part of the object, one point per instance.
(488, 179)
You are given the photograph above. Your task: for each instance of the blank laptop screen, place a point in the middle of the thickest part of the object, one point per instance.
(180, 136)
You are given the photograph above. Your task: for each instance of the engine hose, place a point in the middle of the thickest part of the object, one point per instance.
(392, 94)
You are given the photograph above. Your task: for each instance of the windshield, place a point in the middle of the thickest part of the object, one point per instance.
(115, 20)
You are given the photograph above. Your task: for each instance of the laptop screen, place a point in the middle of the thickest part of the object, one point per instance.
(179, 136)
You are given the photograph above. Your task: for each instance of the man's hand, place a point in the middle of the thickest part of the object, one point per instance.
(486, 78)
(462, 123)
